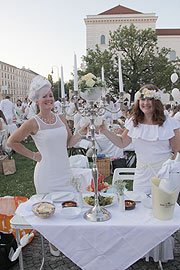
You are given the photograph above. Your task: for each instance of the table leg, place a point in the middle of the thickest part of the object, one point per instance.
(20, 255)
(43, 253)
(160, 265)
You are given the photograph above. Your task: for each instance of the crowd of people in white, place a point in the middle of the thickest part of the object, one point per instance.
(13, 115)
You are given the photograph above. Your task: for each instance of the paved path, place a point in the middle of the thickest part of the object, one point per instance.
(32, 258)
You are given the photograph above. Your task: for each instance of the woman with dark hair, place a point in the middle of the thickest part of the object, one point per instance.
(3, 120)
(155, 137)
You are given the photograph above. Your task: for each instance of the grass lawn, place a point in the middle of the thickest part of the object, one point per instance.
(20, 183)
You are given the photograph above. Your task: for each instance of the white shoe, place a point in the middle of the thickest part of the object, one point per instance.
(54, 252)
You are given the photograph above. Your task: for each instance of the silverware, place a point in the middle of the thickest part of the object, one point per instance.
(44, 196)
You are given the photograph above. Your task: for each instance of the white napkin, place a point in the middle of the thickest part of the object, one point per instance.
(59, 195)
(169, 175)
(25, 209)
(135, 196)
(78, 161)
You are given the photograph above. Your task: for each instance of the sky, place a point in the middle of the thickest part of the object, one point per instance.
(40, 34)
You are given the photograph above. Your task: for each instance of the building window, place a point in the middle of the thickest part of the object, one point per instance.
(102, 39)
(1, 66)
(2, 75)
(172, 55)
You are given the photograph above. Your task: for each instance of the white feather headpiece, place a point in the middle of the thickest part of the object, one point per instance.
(36, 85)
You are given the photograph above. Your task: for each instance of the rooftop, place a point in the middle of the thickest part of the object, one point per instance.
(120, 10)
(168, 32)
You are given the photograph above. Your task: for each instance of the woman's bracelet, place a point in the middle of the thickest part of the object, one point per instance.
(34, 156)
(80, 133)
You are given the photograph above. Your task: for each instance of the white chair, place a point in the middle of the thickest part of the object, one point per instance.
(123, 173)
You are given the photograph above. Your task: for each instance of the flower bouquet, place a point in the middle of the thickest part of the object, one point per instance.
(76, 183)
(90, 87)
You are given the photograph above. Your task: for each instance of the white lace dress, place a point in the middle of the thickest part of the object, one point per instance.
(152, 148)
(53, 172)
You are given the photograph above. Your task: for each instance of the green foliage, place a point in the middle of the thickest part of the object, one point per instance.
(50, 79)
(69, 86)
(93, 62)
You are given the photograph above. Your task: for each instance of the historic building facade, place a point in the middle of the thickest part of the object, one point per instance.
(98, 27)
(14, 82)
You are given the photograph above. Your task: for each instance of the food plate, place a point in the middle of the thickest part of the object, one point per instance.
(129, 204)
(69, 204)
(135, 196)
(43, 209)
(105, 198)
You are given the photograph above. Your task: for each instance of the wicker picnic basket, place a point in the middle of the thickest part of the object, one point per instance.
(103, 165)
(2, 158)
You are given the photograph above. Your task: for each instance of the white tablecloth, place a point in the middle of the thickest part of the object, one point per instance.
(114, 244)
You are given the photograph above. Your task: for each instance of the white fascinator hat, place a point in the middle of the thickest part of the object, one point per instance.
(36, 85)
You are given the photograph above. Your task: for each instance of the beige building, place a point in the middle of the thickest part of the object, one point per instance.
(98, 27)
(14, 82)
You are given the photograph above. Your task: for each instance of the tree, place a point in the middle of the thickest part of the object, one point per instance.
(50, 79)
(142, 61)
(93, 62)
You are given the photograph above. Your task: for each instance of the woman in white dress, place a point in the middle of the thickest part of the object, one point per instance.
(52, 136)
(155, 138)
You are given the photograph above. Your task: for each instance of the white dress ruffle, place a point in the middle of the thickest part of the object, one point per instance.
(153, 132)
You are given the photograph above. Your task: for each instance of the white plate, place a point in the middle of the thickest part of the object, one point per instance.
(135, 196)
(89, 194)
(58, 196)
(70, 212)
(147, 202)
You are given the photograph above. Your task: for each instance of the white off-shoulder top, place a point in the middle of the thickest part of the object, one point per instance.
(151, 142)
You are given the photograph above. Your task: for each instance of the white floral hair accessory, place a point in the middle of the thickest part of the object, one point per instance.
(146, 93)
(36, 85)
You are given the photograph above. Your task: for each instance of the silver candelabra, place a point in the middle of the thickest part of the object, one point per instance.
(96, 213)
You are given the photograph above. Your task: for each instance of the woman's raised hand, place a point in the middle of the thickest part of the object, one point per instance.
(84, 129)
(37, 156)
(102, 128)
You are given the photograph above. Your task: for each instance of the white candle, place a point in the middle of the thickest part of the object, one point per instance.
(62, 84)
(102, 78)
(102, 74)
(75, 74)
(120, 75)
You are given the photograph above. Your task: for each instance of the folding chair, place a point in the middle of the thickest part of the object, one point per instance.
(123, 173)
